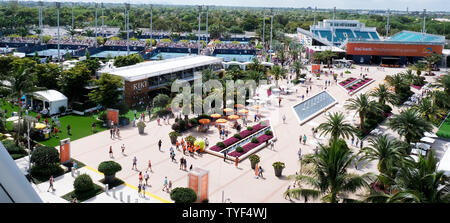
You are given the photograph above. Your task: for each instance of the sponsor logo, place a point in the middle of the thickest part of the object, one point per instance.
(427, 50)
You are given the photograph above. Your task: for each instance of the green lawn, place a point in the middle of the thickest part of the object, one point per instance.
(80, 127)
(444, 130)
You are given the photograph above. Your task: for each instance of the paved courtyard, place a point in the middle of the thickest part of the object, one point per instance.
(236, 184)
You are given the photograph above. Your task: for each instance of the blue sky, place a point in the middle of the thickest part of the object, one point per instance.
(414, 5)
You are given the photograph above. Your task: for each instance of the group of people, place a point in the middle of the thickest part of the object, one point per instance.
(138, 43)
(76, 40)
(177, 44)
(188, 146)
(239, 46)
(114, 132)
(20, 40)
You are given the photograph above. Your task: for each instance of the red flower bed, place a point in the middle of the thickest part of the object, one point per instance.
(358, 85)
(215, 148)
(249, 146)
(230, 141)
(346, 81)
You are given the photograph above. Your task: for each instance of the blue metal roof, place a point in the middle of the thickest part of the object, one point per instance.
(408, 36)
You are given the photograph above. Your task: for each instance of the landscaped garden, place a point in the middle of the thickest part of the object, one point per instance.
(358, 85)
(444, 130)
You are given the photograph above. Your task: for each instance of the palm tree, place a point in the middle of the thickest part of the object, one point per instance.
(328, 54)
(255, 75)
(278, 71)
(417, 183)
(428, 110)
(327, 174)
(294, 54)
(21, 82)
(396, 81)
(383, 95)
(388, 152)
(432, 60)
(441, 99)
(298, 66)
(336, 126)
(410, 125)
(363, 106)
(444, 81)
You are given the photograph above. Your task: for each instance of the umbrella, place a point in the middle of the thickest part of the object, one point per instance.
(204, 121)
(39, 126)
(239, 106)
(233, 117)
(216, 115)
(243, 111)
(256, 106)
(250, 100)
(227, 110)
(221, 121)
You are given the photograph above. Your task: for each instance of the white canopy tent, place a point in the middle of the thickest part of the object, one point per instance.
(52, 100)
(427, 140)
(444, 163)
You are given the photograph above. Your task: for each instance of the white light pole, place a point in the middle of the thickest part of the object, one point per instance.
(151, 26)
(127, 9)
(264, 30)
(41, 25)
(387, 25)
(58, 6)
(96, 31)
(271, 26)
(199, 20)
(73, 26)
(103, 19)
(207, 25)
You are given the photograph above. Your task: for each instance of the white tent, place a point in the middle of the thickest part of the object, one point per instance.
(444, 163)
(52, 100)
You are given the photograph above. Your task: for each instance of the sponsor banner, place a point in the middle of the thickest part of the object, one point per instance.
(384, 49)
(64, 150)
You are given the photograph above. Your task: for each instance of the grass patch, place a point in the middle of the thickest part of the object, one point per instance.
(80, 127)
(444, 130)
(84, 195)
(115, 183)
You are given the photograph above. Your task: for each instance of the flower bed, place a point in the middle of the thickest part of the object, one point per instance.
(416, 87)
(249, 146)
(230, 141)
(347, 81)
(359, 84)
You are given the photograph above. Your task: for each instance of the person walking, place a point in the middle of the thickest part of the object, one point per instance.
(287, 194)
(111, 132)
(279, 101)
(134, 164)
(135, 112)
(159, 144)
(181, 163)
(169, 186)
(93, 126)
(123, 149)
(225, 155)
(111, 152)
(284, 118)
(143, 190)
(139, 189)
(118, 133)
(68, 130)
(299, 153)
(140, 177)
(51, 181)
(256, 171)
(165, 184)
(149, 166)
(304, 139)
(146, 176)
(236, 162)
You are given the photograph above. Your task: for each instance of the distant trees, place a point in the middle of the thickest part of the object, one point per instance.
(132, 59)
(108, 90)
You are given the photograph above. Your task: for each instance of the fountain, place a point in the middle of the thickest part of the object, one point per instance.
(313, 106)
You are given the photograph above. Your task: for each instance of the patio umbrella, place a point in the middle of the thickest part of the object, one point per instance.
(204, 121)
(221, 121)
(39, 126)
(226, 110)
(233, 117)
(256, 106)
(239, 106)
(216, 115)
(243, 111)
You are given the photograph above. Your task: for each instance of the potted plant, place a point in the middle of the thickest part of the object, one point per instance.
(278, 167)
(109, 169)
(173, 136)
(254, 159)
(141, 125)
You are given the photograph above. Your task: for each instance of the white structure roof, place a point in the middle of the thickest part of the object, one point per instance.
(444, 163)
(50, 95)
(156, 68)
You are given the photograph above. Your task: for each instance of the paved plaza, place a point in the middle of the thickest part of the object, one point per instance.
(238, 185)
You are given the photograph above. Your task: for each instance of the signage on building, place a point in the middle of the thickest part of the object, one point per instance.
(384, 49)
(140, 85)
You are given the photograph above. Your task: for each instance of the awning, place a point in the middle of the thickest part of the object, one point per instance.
(430, 134)
(427, 140)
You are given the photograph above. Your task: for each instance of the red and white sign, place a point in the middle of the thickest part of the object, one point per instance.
(64, 150)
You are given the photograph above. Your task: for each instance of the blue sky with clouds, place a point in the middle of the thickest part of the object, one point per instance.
(414, 5)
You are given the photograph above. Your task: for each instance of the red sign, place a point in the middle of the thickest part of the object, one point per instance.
(64, 150)
(316, 68)
(112, 115)
(387, 49)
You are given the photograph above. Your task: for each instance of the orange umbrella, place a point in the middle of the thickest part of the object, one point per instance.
(256, 106)
(239, 105)
(243, 111)
(216, 115)
(227, 109)
(233, 117)
(221, 121)
(204, 121)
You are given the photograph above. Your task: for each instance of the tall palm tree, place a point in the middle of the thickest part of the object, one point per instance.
(441, 99)
(383, 95)
(428, 110)
(417, 183)
(432, 60)
(328, 54)
(327, 174)
(21, 82)
(444, 81)
(298, 66)
(410, 125)
(396, 81)
(363, 105)
(387, 151)
(336, 126)
(277, 72)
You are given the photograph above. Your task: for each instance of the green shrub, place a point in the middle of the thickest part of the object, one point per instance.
(268, 132)
(220, 144)
(279, 165)
(237, 136)
(250, 128)
(103, 116)
(254, 158)
(44, 156)
(193, 121)
(12, 148)
(255, 140)
(141, 124)
(83, 183)
(43, 173)
(190, 139)
(239, 149)
(109, 168)
(183, 195)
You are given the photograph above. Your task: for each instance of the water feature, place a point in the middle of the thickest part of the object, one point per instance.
(237, 57)
(112, 53)
(247, 140)
(311, 106)
(167, 55)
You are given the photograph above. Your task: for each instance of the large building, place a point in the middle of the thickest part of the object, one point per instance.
(403, 48)
(142, 79)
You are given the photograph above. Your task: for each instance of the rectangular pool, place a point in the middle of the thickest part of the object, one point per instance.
(51, 52)
(112, 53)
(313, 106)
(236, 57)
(167, 55)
